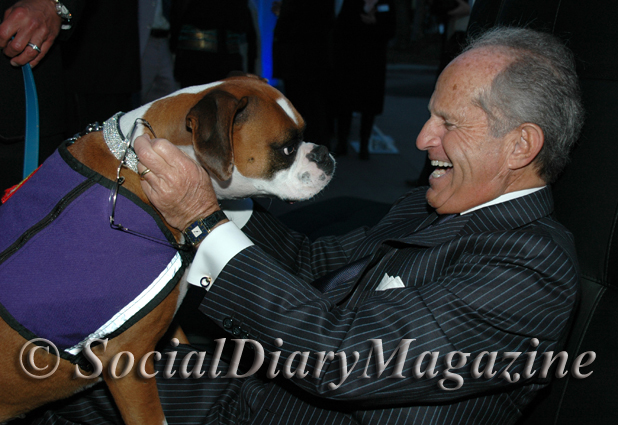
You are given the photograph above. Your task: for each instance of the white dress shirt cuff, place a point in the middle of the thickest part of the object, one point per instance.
(213, 254)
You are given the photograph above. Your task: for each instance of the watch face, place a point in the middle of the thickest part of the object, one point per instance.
(196, 232)
(62, 11)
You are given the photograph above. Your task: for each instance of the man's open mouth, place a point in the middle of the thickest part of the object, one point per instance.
(441, 168)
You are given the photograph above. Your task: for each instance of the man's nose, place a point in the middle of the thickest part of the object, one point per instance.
(429, 136)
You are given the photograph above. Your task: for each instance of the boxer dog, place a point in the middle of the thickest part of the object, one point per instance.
(248, 136)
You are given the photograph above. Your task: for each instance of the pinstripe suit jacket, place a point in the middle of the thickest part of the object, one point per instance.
(490, 280)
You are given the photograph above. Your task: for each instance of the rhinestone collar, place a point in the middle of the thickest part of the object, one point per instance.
(116, 142)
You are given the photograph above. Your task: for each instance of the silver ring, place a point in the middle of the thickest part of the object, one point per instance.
(35, 47)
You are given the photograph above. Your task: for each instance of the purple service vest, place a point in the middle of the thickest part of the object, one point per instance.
(65, 274)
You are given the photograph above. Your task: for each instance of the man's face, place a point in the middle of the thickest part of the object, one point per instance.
(471, 165)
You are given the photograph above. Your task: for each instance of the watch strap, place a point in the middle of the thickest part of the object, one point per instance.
(199, 229)
(64, 13)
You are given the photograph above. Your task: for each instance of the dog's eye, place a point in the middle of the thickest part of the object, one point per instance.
(289, 150)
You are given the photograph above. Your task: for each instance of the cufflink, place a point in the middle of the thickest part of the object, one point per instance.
(206, 282)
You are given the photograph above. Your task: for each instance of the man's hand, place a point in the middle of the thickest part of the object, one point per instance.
(29, 21)
(176, 185)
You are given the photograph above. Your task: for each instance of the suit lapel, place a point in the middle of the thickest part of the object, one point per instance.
(504, 216)
(430, 235)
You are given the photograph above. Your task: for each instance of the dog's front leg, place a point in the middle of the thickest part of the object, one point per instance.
(137, 398)
(135, 389)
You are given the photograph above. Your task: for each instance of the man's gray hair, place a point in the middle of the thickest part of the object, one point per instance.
(539, 86)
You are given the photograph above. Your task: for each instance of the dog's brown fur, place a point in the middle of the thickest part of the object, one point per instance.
(137, 398)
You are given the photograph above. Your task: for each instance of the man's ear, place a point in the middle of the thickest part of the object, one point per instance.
(527, 145)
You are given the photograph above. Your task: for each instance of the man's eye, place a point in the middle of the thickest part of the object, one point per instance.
(449, 125)
(289, 150)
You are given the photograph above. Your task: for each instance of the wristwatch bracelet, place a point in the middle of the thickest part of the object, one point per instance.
(64, 13)
(199, 229)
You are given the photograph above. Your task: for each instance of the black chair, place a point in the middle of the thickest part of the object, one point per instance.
(586, 199)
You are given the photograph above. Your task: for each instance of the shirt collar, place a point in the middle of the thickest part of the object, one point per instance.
(504, 198)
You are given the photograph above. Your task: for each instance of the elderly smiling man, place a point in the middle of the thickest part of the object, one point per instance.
(465, 284)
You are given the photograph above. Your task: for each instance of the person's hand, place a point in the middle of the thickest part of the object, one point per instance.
(176, 185)
(32, 23)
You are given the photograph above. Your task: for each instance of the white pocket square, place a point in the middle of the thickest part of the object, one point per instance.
(390, 282)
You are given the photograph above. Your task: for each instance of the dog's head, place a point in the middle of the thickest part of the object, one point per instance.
(248, 136)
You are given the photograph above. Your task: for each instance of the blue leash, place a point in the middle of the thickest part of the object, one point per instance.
(31, 150)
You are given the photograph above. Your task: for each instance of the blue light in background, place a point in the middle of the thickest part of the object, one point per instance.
(266, 22)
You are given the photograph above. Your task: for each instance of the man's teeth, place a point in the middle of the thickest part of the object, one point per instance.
(441, 170)
(442, 164)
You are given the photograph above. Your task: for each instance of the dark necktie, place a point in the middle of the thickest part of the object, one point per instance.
(341, 275)
(348, 272)
(433, 220)
(442, 218)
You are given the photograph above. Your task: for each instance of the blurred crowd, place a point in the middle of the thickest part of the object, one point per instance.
(93, 58)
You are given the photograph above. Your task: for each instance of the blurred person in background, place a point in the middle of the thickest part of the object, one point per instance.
(303, 60)
(40, 32)
(362, 32)
(157, 63)
(207, 38)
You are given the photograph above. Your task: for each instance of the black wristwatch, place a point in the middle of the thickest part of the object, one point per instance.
(198, 230)
(64, 13)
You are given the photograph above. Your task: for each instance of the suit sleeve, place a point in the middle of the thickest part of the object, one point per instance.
(501, 293)
(307, 259)
(295, 252)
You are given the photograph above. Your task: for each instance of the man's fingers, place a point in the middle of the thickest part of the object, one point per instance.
(143, 173)
(28, 31)
(157, 175)
(169, 152)
(180, 162)
(7, 31)
(148, 156)
(13, 31)
(174, 163)
(44, 46)
(147, 188)
(29, 54)
(175, 184)
(161, 160)
(18, 44)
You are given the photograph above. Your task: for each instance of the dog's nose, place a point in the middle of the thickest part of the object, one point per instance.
(320, 155)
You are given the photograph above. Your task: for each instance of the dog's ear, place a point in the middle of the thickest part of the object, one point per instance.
(211, 121)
